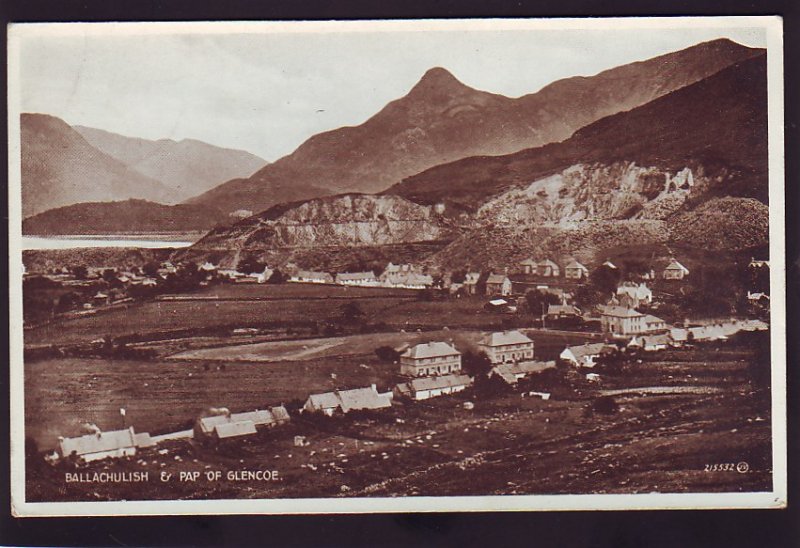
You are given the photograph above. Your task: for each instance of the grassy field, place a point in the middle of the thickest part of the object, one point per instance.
(164, 394)
(238, 306)
(505, 445)
(157, 317)
(300, 290)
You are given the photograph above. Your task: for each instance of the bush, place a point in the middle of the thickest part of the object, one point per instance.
(476, 365)
(605, 405)
(387, 354)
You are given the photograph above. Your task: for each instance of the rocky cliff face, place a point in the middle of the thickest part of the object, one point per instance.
(620, 190)
(344, 221)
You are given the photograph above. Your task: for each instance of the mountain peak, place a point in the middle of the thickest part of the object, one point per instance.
(438, 78)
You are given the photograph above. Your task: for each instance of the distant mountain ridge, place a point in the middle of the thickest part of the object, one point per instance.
(717, 126)
(689, 166)
(59, 167)
(122, 217)
(442, 120)
(188, 167)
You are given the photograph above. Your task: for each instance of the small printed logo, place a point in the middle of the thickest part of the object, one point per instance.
(742, 467)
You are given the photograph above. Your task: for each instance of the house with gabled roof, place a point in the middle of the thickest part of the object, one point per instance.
(528, 266)
(431, 387)
(548, 269)
(102, 445)
(345, 401)
(651, 343)
(234, 429)
(675, 271)
(470, 284)
(507, 346)
(228, 425)
(638, 292)
(512, 373)
(311, 277)
(585, 355)
(405, 278)
(367, 279)
(620, 320)
(498, 284)
(653, 324)
(432, 358)
(575, 270)
(561, 311)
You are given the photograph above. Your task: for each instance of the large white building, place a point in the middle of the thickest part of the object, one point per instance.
(432, 358)
(507, 347)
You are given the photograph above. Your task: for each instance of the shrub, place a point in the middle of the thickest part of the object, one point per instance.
(605, 405)
(387, 354)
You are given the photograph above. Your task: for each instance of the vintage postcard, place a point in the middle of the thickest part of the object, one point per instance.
(378, 266)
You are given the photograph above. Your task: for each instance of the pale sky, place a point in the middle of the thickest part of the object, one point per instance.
(268, 92)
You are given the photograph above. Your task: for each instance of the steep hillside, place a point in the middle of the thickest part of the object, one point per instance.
(59, 167)
(441, 120)
(120, 217)
(723, 223)
(351, 220)
(188, 167)
(716, 128)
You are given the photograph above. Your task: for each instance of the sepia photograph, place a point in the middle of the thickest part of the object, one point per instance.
(378, 266)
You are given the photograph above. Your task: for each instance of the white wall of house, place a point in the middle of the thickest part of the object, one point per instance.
(116, 453)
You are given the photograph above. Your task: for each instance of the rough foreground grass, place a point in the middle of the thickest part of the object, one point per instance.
(507, 444)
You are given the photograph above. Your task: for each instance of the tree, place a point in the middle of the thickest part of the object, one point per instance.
(602, 283)
(613, 363)
(387, 354)
(537, 301)
(79, 271)
(277, 277)
(68, 301)
(605, 405)
(635, 267)
(109, 275)
(604, 279)
(458, 276)
(150, 269)
(476, 365)
(351, 312)
(251, 264)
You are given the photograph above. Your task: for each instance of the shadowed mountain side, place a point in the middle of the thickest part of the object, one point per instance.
(716, 127)
(59, 167)
(441, 120)
(121, 217)
(188, 166)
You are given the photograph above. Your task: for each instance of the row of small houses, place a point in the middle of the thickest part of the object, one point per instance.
(431, 369)
(409, 276)
(574, 270)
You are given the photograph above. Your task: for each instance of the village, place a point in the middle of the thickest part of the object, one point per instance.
(617, 333)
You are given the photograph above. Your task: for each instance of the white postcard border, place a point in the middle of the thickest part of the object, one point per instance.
(777, 498)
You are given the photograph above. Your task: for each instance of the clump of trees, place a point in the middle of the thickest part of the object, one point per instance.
(537, 301)
(601, 284)
(476, 364)
(387, 354)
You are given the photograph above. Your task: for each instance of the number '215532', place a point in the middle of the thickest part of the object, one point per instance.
(741, 467)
